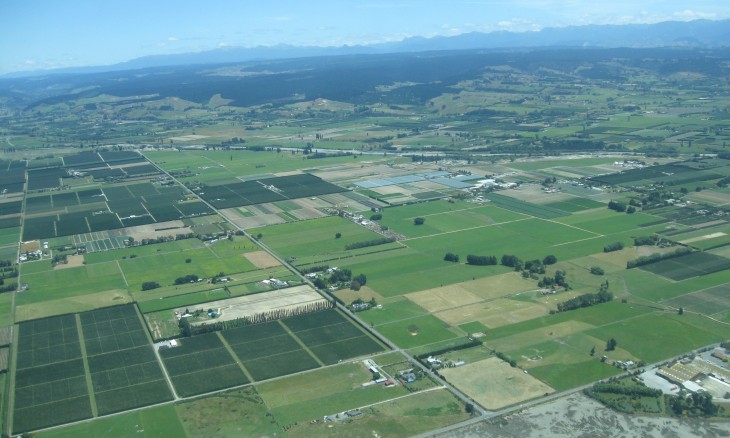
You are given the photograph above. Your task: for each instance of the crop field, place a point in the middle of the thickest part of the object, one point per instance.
(124, 370)
(266, 190)
(512, 204)
(688, 266)
(267, 350)
(201, 364)
(709, 301)
(50, 383)
(333, 338)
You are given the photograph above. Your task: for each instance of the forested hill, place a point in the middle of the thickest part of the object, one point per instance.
(356, 78)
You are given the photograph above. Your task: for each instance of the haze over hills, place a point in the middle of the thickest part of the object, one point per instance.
(698, 33)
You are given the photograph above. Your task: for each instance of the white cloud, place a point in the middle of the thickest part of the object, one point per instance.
(172, 38)
(694, 15)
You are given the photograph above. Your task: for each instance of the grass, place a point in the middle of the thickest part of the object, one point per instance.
(314, 237)
(417, 413)
(428, 329)
(50, 285)
(322, 392)
(158, 421)
(397, 310)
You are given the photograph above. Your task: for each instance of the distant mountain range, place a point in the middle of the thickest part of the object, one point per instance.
(698, 33)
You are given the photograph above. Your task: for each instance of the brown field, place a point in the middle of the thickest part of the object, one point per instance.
(365, 294)
(497, 286)
(442, 298)
(30, 246)
(252, 221)
(150, 231)
(710, 196)
(261, 259)
(73, 261)
(494, 313)
(494, 384)
(76, 304)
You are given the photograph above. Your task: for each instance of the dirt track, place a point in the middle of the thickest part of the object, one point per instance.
(580, 416)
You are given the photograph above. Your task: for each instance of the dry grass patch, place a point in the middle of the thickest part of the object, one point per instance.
(72, 261)
(498, 286)
(261, 259)
(442, 298)
(536, 336)
(614, 258)
(494, 313)
(30, 246)
(494, 384)
(365, 294)
(75, 304)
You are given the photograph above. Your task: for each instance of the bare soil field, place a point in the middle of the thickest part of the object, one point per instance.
(261, 259)
(161, 229)
(579, 416)
(72, 261)
(30, 246)
(248, 305)
(536, 195)
(497, 285)
(494, 384)
(710, 196)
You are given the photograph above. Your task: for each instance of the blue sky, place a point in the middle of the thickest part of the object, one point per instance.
(42, 34)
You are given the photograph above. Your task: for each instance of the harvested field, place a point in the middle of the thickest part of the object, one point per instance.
(443, 298)
(494, 384)
(494, 313)
(261, 259)
(71, 304)
(73, 261)
(249, 305)
(33, 245)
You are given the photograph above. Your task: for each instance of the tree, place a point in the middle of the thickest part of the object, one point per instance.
(550, 260)
(338, 235)
(631, 209)
(597, 270)
(149, 285)
(593, 351)
(451, 257)
(611, 344)
(680, 311)
(362, 279)
(419, 221)
(355, 285)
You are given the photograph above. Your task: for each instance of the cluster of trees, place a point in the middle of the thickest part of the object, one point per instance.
(451, 257)
(190, 278)
(376, 216)
(597, 270)
(586, 300)
(374, 242)
(419, 221)
(149, 285)
(611, 344)
(697, 405)
(557, 280)
(338, 277)
(621, 207)
(645, 260)
(625, 398)
(646, 240)
(615, 246)
(481, 260)
(504, 357)
(632, 390)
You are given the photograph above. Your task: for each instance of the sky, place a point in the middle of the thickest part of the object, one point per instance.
(45, 34)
